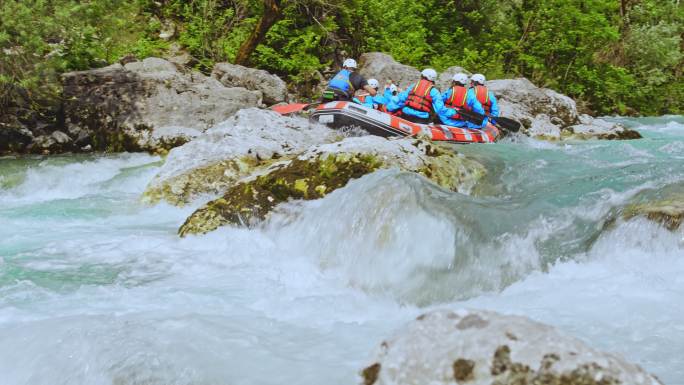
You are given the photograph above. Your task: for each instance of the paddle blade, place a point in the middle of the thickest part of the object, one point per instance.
(508, 124)
(286, 109)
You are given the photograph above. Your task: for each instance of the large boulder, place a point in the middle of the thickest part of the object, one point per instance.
(548, 114)
(327, 167)
(214, 161)
(484, 348)
(146, 105)
(273, 88)
(382, 66)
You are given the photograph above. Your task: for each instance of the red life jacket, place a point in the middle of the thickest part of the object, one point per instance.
(458, 98)
(482, 94)
(419, 98)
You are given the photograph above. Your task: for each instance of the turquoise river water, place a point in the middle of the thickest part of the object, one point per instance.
(97, 288)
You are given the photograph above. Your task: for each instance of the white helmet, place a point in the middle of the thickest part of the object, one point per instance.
(460, 78)
(429, 74)
(393, 88)
(373, 83)
(478, 78)
(349, 63)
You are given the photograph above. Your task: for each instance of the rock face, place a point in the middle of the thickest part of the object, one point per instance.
(325, 168)
(273, 89)
(214, 161)
(484, 348)
(544, 113)
(383, 67)
(146, 105)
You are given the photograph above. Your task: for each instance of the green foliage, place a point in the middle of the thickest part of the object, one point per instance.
(611, 61)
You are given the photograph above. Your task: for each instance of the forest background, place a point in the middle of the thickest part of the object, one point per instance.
(613, 56)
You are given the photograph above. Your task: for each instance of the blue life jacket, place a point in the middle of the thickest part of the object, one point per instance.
(341, 83)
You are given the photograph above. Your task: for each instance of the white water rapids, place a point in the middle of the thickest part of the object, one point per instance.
(97, 288)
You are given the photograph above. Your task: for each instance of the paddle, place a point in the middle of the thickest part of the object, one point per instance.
(286, 109)
(471, 116)
(507, 124)
(502, 122)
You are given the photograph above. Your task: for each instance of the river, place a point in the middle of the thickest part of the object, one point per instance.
(97, 288)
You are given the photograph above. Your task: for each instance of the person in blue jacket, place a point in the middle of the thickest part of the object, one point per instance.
(391, 96)
(485, 97)
(343, 85)
(420, 100)
(460, 97)
(369, 100)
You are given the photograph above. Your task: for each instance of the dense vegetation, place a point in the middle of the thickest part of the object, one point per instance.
(615, 56)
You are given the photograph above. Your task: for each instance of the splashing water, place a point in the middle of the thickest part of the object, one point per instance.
(96, 288)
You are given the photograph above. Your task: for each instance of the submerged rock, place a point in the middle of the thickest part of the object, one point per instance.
(214, 161)
(665, 206)
(126, 107)
(325, 168)
(484, 348)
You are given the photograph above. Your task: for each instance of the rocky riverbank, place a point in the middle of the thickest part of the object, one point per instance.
(154, 105)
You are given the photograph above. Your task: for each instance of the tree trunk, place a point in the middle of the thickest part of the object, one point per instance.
(272, 13)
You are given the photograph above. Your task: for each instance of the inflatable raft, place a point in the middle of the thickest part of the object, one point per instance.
(348, 114)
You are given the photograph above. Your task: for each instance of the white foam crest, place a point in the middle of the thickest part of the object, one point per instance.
(373, 232)
(52, 181)
(386, 235)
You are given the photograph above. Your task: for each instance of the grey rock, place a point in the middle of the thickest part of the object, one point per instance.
(543, 127)
(483, 348)
(120, 107)
(60, 137)
(14, 137)
(273, 88)
(444, 78)
(381, 66)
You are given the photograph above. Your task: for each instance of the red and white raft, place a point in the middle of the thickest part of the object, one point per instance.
(348, 114)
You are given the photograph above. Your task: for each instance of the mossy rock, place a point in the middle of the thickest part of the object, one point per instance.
(213, 178)
(327, 167)
(249, 202)
(669, 213)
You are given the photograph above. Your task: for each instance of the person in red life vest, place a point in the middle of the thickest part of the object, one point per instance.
(343, 85)
(485, 97)
(422, 99)
(459, 97)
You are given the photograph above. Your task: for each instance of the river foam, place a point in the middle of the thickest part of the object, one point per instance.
(97, 288)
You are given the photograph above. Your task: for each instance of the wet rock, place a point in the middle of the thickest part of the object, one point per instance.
(14, 137)
(434, 350)
(381, 66)
(121, 106)
(214, 161)
(273, 89)
(325, 168)
(665, 206)
(591, 128)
